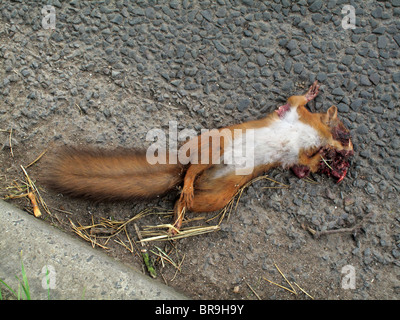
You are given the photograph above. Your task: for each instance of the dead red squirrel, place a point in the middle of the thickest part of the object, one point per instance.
(291, 137)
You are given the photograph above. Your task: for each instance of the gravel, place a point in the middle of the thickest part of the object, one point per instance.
(111, 71)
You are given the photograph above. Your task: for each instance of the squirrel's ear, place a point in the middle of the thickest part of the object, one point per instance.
(332, 113)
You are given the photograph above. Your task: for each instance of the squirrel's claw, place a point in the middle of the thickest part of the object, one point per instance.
(313, 91)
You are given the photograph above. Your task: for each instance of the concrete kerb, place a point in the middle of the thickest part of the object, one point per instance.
(75, 270)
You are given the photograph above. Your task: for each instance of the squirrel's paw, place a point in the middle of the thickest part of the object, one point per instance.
(187, 196)
(313, 91)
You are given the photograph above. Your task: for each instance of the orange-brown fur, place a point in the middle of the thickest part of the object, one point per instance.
(106, 175)
(127, 174)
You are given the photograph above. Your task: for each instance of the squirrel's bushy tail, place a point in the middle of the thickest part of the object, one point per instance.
(109, 175)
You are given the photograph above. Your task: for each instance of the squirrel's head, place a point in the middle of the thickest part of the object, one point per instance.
(339, 149)
(340, 136)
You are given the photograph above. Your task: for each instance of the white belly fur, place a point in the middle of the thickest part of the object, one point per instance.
(279, 142)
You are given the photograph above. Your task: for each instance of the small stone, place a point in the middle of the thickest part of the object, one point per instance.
(249, 3)
(338, 92)
(348, 201)
(342, 107)
(316, 6)
(298, 67)
(117, 19)
(396, 253)
(115, 74)
(370, 188)
(57, 37)
(221, 48)
(317, 17)
(176, 82)
(397, 39)
(150, 13)
(379, 110)
(379, 30)
(174, 4)
(396, 77)
(261, 60)
(206, 15)
(362, 129)
(288, 86)
(356, 104)
(377, 13)
(396, 3)
(347, 60)
(375, 78)
(180, 50)
(365, 81)
(291, 45)
(321, 76)
(382, 42)
(26, 72)
(243, 104)
(288, 65)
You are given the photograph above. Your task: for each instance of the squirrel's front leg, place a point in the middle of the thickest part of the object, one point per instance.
(310, 158)
(309, 161)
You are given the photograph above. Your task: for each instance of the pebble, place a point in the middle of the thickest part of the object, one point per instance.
(25, 72)
(221, 48)
(382, 42)
(342, 107)
(338, 92)
(292, 45)
(370, 188)
(118, 19)
(375, 78)
(261, 60)
(298, 67)
(396, 77)
(356, 104)
(362, 129)
(207, 15)
(315, 6)
(288, 65)
(243, 104)
(364, 80)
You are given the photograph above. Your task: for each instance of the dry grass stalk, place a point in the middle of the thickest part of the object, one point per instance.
(27, 189)
(285, 279)
(292, 290)
(16, 191)
(81, 231)
(35, 190)
(155, 233)
(161, 232)
(278, 285)
(108, 229)
(326, 162)
(164, 257)
(182, 233)
(9, 140)
(37, 159)
(252, 290)
(308, 179)
(304, 291)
